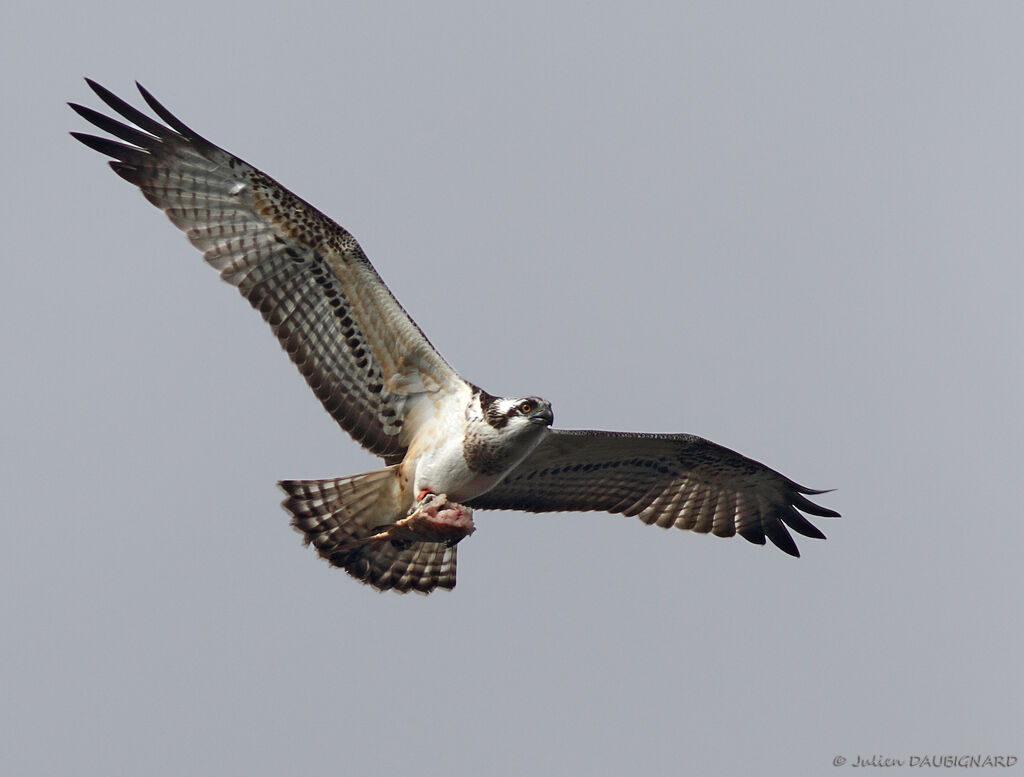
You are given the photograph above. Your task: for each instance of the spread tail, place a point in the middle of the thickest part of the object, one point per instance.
(340, 517)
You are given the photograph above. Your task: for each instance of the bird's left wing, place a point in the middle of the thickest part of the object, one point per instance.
(664, 479)
(360, 352)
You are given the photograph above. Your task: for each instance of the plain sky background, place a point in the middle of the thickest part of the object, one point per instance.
(793, 228)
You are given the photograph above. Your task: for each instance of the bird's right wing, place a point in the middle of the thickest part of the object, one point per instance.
(664, 479)
(360, 352)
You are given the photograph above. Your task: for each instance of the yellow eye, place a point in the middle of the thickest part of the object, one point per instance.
(526, 408)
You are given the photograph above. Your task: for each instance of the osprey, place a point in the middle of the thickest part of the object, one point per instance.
(448, 446)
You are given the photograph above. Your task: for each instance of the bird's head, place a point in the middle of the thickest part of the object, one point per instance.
(519, 413)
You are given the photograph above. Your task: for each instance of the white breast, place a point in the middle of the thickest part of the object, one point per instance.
(435, 459)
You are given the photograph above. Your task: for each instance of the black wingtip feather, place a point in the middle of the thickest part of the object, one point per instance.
(135, 116)
(115, 128)
(801, 525)
(753, 535)
(173, 121)
(780, 537)
(806, 490)
(106, 146)
(128, 172)
(808, 506)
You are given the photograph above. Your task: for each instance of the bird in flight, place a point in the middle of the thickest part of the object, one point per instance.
(448, 447)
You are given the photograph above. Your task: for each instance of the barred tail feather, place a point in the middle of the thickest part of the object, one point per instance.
(338, 517)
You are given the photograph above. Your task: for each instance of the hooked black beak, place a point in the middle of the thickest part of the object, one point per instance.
(542, 415)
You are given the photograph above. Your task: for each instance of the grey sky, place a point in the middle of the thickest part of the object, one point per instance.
(794, 229)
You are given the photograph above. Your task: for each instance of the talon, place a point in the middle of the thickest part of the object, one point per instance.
(428, 502)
